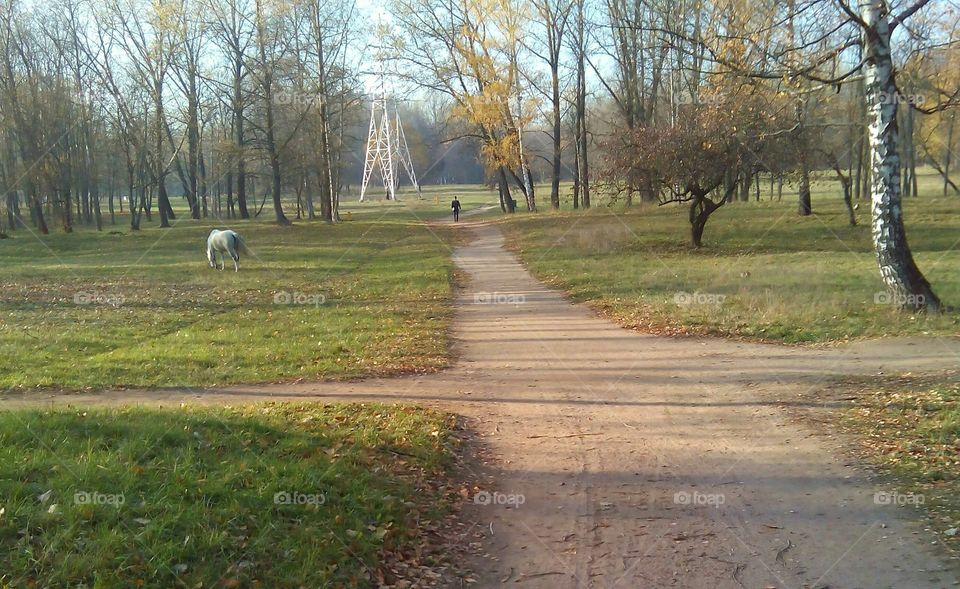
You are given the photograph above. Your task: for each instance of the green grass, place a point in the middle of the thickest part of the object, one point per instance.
(781, 277)
(161, 317)
(188, 498)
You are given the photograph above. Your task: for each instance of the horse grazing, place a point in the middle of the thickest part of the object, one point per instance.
(225, 242)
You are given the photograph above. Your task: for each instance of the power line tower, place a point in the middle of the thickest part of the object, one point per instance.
(386, 148)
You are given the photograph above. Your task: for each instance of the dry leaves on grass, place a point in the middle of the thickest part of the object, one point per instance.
(443, 543)
(908, 427)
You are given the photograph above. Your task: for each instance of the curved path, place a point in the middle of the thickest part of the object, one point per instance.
(642, 461)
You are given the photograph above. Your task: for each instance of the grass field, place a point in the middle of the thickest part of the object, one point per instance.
(279, 495)
(143, 308)
(764, 272)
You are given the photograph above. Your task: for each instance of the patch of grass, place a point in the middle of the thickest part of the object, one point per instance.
(909, 428)
(765, 272)
(143, 309)
(276, 495)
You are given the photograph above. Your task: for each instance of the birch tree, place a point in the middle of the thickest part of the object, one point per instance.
(869, 28)
(897, 266)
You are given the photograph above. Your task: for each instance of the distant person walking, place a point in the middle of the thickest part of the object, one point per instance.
(455, 205)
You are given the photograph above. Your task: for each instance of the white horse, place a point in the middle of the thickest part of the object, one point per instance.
(225, 242)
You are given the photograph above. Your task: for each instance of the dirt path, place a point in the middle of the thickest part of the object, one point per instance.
(642, 461)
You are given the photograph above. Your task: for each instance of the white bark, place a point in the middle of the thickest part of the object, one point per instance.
(899, 271)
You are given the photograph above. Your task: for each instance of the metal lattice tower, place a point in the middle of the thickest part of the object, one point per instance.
(386, 147)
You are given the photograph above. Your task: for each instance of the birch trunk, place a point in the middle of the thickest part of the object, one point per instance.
(907, 284)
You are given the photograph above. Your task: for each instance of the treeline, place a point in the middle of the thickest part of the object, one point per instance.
(250, 107)
(552, 88)
(107, 104)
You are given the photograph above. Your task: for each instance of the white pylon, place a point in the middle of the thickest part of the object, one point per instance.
(386, 143)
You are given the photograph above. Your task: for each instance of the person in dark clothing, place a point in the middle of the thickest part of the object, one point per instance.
(455, 205)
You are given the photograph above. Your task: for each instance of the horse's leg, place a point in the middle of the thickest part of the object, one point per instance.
(236, 263)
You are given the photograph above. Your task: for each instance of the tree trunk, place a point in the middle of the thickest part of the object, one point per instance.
(308, 194)
(13, 212)
(905, 137)
(845, 185)
(204, 188)
(133, 204)
(697, 223)
(576, 176)
(193, 144)
(576, 182)
(867, 177)
(505, 198)
(276, 189)
(948, 152)
(97, 211)
(848, 201)
(701, 208)
(274, 158)
(163, 205)
(729, 182)
(37, 213)
(583, 164)
(324, 167)
(899, 271)
(326, 196)
(229, 194)
(67, 215)
(745, 181)
(648, 192)
(530, 191)
(240, 140)
(269, 102)
(557, 130)
(805, 206)
(913, 153)
(858, 171)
